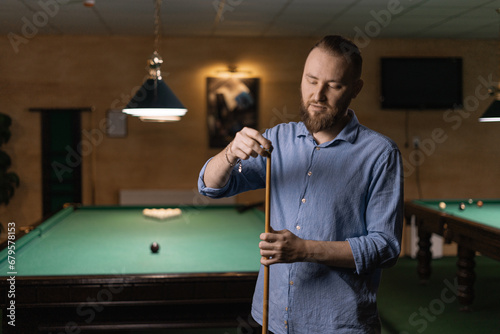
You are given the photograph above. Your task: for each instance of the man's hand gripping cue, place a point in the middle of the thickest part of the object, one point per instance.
(247, 143)
(281, 247)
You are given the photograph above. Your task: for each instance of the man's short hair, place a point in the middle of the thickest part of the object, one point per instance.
(339, 46)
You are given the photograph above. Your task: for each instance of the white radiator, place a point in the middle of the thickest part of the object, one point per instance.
(169, 197)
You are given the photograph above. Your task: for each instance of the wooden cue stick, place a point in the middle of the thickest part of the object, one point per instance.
(265, 312)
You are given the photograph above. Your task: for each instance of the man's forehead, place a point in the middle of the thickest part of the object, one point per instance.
(329, 56)
(326, 63)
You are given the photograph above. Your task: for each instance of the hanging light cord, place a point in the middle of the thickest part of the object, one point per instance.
(157, 24)
(497, 88)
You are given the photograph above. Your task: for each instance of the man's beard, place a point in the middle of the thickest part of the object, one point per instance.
(320, 121)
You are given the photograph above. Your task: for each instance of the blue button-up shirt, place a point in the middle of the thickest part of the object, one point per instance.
(350, 188)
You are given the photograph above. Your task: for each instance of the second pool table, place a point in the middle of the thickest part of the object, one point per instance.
(474, 229)
(92, 268)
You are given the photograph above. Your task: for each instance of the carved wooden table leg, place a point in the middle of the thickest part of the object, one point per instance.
(424, 256)
(466, 277)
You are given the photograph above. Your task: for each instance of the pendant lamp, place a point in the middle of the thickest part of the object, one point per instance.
(492, 114)
(155, 101)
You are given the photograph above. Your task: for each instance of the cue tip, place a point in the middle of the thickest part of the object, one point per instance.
(268, 152)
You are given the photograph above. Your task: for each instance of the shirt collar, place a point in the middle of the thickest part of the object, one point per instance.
(349, 133)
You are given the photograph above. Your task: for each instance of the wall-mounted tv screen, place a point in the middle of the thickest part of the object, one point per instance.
(421, 83)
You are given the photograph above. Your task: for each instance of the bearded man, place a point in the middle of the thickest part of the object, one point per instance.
(336, 202)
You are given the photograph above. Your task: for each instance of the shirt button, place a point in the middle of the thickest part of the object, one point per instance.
(286, 322)
(286, 308)
(317, 148)
(291, 282)
(298, 227)
(309, 174)
(303, 200)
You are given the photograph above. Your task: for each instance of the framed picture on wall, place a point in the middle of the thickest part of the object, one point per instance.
(116, 124)
(232, 103)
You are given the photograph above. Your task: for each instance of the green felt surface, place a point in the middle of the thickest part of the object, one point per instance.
(116, 240)
(408, 307)
(488, 214)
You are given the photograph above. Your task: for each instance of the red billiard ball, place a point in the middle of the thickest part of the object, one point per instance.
(155, 247)
(479, 203)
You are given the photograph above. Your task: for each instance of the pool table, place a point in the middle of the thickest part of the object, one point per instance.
(90, 268)
(474, 229)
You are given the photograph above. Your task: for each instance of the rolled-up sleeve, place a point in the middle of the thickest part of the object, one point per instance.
(207, 191)
(381, 246)
(251, 177)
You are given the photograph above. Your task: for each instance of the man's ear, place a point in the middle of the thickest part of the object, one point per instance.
(357, 87)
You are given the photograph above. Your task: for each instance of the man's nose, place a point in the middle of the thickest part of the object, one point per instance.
(319, 93)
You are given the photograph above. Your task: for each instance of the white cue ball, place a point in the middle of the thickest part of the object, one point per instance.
(442, 205)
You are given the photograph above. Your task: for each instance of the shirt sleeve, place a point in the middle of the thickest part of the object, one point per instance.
(207, 191)
(251, 177)
(381, 246)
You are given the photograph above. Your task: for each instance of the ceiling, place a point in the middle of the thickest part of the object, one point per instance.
(468, 19)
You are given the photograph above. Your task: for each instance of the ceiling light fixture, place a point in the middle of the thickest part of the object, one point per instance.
(155, 101)
(232, 71)
(492, 114)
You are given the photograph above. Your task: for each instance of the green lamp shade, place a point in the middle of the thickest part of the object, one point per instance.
(492, 114)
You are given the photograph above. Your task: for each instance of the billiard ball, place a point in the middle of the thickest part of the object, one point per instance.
(462, 206)
(479, 203)
(471, 201)
(442, 205)
(155, 247)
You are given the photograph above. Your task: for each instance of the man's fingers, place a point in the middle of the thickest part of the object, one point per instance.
(257, 136)
(272, 235)
(254, 141)
(265, 245)
(268, 258)
(281, 247)
(242, 152)
(269, 237)
(267, 253)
